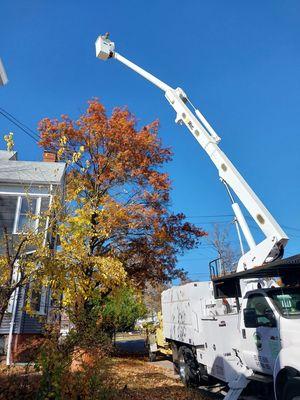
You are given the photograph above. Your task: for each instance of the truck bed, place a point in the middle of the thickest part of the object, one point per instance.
(192, 316)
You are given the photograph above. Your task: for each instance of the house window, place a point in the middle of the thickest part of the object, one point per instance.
(38, 300)
(8, 206)
(35, 302)
(27, 208)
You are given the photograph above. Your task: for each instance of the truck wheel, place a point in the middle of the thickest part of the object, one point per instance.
(292, 389)
(188, 367)
(175, 357)
(152, 356)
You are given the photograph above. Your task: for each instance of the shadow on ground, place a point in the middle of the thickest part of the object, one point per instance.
(133, 347)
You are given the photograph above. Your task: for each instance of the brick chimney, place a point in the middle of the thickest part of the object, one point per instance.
(49, 156)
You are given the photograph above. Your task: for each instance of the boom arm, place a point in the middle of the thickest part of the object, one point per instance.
(272, 246)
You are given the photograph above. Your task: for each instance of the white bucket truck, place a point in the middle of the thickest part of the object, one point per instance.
(217, 331)
(242, 327)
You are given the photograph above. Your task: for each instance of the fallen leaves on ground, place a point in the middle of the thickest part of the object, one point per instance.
(137, 379)
(129, 378)
(18, 382)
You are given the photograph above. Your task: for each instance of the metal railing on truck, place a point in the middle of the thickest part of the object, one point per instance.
(218, 269)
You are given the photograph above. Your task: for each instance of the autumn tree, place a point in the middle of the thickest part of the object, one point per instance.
(152, 296)
(118, 196)
(221, 243)
(117, 230)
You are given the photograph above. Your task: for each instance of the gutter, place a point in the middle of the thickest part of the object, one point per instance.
(11, 328)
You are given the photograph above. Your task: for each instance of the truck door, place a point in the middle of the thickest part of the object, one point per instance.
(260, 334)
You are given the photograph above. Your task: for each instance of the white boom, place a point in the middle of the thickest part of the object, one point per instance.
(272, 246)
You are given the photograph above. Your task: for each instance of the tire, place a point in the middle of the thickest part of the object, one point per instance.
(175, 358)
(152, 356)
(291, 389)
(188, 367)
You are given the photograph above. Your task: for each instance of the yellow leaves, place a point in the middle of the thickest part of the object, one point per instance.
(76, 271)
(60, 152)
(76, 156)
(76, 230)
(110, 271)
(9, 141)
(5, 271)
(62, 146)
(91, 277)
(63, 140)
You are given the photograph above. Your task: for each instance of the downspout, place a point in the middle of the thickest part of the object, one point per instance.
(12, 325)
(48, 290)
(48, 218)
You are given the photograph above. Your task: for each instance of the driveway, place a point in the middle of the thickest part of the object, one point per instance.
(134, 346)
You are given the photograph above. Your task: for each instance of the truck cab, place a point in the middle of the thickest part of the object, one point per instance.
(270, 334)
(270, 323)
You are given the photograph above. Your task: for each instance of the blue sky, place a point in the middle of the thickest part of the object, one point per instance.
(238, 61)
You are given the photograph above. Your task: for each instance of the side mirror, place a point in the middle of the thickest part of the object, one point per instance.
(250, 318)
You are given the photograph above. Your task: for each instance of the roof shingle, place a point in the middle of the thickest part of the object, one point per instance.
(31, 172)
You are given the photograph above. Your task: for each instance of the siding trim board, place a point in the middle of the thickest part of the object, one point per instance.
(24, 194)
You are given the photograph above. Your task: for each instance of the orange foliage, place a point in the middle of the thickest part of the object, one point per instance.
(115, 170)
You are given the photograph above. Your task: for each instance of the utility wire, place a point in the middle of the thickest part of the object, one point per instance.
(248, 217)
(290, 227)
(20, 125)
(33, 135)
(210, 216)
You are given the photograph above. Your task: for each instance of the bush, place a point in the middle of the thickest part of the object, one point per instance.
(121, 310)
(74, 366)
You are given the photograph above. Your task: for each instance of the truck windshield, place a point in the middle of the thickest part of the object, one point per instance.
(287, 301)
